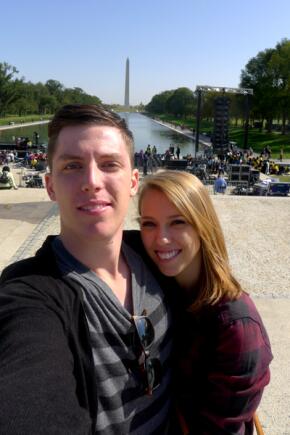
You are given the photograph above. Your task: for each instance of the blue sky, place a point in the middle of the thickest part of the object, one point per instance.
(169, 43)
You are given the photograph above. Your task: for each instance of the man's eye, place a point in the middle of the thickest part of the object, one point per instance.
(72, 165)
(110, 165)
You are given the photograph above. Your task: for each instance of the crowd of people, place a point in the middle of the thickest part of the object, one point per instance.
(35, 160)
(29, 160)
(7, 157)
(261, 162)
(213, 164)
(150, 160)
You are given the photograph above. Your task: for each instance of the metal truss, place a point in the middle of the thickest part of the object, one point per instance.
(243, 91)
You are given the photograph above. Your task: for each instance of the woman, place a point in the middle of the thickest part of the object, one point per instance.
(7, 178)
(223, 351)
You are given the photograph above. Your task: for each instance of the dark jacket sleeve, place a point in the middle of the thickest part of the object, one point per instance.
(37, 383)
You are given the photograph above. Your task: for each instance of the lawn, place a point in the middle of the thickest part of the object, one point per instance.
(281, 178)
(256, 139)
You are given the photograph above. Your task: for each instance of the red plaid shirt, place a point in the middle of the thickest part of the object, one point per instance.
(222, 356)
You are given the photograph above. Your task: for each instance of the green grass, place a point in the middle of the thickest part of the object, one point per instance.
(257, 140)
(282, 178)
(22, 119)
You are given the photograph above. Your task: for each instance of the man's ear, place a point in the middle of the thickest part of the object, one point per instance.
(49, 186)
(134, 182)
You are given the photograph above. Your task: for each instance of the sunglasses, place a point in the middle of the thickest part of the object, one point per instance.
(150, 368)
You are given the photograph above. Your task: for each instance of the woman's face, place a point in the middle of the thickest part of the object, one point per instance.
(171, 242)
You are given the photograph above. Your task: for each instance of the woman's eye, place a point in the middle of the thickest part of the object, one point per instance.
(178, 222)
(147, 224)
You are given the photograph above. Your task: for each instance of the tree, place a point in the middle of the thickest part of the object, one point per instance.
(181, 103)
(47, 104)
(55, 88)
(42, 97)
(269, 75)
(8, 86)
(257, 75)
(23, 98)
(237, 107)
(26, 103)
(207, 105)
(78, 96)
(279, 65)
(158, 103)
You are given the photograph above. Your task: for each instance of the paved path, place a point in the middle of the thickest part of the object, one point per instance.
(27, 216)
(23, 124)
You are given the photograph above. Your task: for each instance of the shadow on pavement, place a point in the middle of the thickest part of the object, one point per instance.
(31, 212)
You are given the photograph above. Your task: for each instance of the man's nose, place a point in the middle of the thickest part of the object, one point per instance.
(92, 178)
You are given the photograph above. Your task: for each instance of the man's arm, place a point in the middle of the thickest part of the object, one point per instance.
(37, 383)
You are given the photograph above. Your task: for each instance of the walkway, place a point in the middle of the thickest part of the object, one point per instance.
(258, 241)
(23, 124)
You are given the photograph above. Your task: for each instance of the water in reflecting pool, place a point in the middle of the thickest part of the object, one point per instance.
(145, 131)
(11, 134)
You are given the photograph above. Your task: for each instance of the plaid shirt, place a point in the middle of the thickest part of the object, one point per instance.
(223, 356)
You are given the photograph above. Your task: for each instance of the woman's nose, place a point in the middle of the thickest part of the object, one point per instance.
(163, 236)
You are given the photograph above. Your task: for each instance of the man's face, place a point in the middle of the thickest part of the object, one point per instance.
(92, 181)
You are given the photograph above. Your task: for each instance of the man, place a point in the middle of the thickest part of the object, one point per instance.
(220, 183)
(281, 154)
(80, 351)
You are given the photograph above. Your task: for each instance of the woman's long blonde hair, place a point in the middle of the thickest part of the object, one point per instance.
(191, 198)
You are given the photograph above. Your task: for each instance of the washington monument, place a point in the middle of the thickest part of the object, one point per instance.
(126, 102)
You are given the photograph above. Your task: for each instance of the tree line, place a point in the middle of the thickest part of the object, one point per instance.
(268, 74)
(24, 98)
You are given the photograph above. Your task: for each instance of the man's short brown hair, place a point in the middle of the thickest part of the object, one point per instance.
(86, 114)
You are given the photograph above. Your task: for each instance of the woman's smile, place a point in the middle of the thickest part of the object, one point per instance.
(167, 255)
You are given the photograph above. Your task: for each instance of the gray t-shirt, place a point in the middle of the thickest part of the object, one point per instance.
(123, 406)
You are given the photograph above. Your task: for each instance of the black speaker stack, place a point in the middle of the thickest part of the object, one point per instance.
(220, 138)
(240, 173)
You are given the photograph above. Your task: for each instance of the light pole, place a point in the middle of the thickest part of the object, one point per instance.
(197, 121)
(246, 127)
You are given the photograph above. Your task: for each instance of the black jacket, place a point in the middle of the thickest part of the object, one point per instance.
(47, 385)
